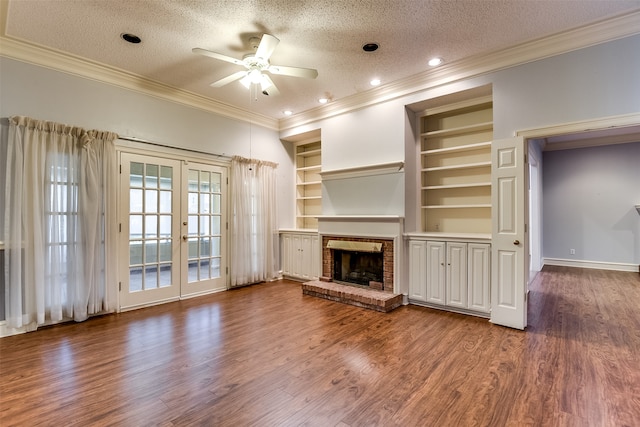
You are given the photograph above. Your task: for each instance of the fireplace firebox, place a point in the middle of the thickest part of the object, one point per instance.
(360, 268)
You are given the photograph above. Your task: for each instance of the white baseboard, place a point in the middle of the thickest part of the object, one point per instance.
(598, 265)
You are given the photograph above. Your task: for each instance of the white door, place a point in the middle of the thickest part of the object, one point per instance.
(509, 262)
(418, 270)
(203, 229)
(172, 228)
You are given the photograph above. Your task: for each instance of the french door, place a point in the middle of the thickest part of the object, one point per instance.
(172, 229)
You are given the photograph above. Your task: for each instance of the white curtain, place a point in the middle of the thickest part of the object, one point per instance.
(59, 213)
(254, 226)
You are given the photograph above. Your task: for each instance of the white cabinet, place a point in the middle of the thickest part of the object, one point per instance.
(300, 255)
(452, 275)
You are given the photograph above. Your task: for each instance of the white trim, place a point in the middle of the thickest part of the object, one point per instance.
(361, 171)
(624, 120)
(598, 265)
(6, 331)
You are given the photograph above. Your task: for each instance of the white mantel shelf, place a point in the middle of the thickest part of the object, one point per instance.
(361, 171)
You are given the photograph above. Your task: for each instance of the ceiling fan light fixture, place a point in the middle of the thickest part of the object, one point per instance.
(246, 81)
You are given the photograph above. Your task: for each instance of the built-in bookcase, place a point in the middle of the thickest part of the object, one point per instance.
(308, 184)
(455, 165)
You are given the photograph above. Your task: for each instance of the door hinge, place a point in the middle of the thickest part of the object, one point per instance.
(120, 286)
(120, 168)
(226, 269)
(227, 180)
(227, 225)
(525, 228)
(120, 228)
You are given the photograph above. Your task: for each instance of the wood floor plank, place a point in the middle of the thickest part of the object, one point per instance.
(266, 355)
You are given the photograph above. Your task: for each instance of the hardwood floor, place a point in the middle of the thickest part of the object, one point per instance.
(268, 356)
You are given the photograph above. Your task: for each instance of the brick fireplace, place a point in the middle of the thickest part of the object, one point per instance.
(385, 231)
(384, 283)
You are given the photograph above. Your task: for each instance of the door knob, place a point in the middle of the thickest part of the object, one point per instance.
(184, 237)
(516, 242)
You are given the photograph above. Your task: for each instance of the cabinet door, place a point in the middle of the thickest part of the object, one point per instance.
(306, 256)
(479, 277)
(286, 254)
(296, 257)
(435, 272)
(418, 270)
(456, 274)
(316, 258)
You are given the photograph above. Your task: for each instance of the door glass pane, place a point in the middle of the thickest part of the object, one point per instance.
(135, 279)
(135, 176)
(193, 248)
(215, 246)
(193, 180)
(193, 225)
(204, 270)
(204, 226)
(205, 247)
(165, 275)
(135, 200)
(151, 251)
(216, 204)
(193, 203)
(151, 277)
(165, 202)
(215, 182)
(165, 226)
(166, 177)
(165, 250)
(204, 203)
(192, 275)
(151, 226)
(151, 201)
(215, 267)
(205, 181)
(135, 226)
(215, 224)
(135, 253)
(151, 176)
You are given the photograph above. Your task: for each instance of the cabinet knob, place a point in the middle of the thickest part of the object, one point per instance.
(516, 242)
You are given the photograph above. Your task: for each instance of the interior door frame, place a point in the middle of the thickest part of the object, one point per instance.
(147, 148)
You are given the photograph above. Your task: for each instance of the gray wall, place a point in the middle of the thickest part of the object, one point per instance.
(588, 204)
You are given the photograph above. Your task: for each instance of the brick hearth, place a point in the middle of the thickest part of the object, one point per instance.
(353, 295)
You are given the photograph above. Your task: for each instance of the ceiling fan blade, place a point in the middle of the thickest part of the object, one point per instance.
(308, 73)
(268, 87)
(217, 56)
(266, 47)
(233, 77)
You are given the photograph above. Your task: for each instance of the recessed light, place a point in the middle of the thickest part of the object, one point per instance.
(323, 100)
(375, 82)
(434, 62)
(370, 47)
(287, 112)
(131, 38)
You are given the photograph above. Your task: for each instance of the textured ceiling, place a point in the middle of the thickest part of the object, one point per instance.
(324, 34)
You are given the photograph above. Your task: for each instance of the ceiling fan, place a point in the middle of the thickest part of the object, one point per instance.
(256, 64)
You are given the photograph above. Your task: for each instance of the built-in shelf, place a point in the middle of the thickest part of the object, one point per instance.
(455, 167)
(460, 166)
(480, 205)
(308, 183)
(452, 186)
(460, 148)
(460, 129)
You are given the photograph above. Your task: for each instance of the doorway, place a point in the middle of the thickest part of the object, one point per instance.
(172, 223)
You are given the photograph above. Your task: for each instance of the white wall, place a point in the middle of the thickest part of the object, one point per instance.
(588, 204)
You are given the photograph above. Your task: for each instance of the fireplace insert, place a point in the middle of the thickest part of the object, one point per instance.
(356, 267)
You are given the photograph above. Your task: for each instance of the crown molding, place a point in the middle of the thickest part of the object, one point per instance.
(578, 38)
(61, 61)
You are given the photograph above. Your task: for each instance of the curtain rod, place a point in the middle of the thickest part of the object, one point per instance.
(157, 144)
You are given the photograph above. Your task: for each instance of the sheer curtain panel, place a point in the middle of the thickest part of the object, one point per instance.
(58, 221)
(254, 225)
